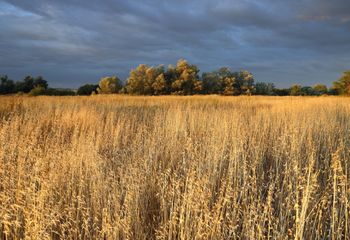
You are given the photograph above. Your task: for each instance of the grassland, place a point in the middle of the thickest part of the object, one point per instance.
(122, 167)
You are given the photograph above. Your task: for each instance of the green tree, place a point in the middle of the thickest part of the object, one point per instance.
(308, 91)
(213, 82)
(217, 82)
(332, 91)
(59, 92)
(40, 82)
(262, 88)
(281, 91)
(26, 85)
(342, 86)
(320, 89)
(109, 85)
(87, 89)
(7, 86)
(170, 76)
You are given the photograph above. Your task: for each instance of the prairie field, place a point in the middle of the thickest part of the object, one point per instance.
(170, 167)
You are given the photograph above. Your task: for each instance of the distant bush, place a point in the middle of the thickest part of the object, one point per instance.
(281, 91)
(39, 90)
(59, 92)
(87, 89)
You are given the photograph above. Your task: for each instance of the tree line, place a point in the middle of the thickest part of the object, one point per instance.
(181, 79)
(32, 86)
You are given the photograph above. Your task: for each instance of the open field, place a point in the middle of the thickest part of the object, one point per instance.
(201, 167)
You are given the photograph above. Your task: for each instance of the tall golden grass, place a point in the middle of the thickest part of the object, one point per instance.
(209, 167)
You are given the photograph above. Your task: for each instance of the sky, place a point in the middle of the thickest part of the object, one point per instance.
(73, 42)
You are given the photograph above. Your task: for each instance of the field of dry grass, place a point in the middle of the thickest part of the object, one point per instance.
(122, 167)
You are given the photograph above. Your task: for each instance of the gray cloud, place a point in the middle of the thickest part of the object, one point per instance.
(72, 42)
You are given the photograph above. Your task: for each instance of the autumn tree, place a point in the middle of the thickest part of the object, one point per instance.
(109, 85)
(229, 86)
(136, 81)
(295, 90)
(152, 74)
(159, 85)
(183, 79)
(244, 82)
(187, 81)
(342, 86)
(144, 79)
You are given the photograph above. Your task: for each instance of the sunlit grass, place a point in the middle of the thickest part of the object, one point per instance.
(200, 167)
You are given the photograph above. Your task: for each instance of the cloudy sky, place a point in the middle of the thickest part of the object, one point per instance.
(71, 42)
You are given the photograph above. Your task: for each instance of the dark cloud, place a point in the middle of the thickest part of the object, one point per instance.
(72, 42)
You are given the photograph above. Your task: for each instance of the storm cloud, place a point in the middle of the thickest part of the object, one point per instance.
(71, 42)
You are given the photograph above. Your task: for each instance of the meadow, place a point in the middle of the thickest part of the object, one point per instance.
(170, 167)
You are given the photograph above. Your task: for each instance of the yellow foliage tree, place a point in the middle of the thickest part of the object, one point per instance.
(109, 85)
(187, 82)
(159, 85)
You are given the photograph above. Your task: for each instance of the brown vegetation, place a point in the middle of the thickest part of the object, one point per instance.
(122, 167)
